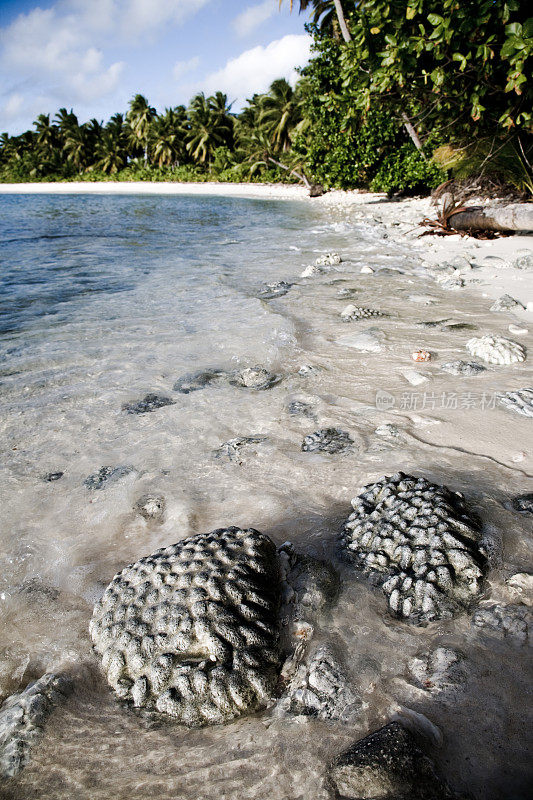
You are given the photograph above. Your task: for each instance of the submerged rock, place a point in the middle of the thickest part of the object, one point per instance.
(298, 408)
(505, 303)
(464, 368)
(232, 448)
(366, 342)
(437, 670)
(505, 621)
(328, 260)
(352, 313)
(151, 506)
(22, 718)
(321, 689)
(419, 542)
(327, 440)
(347, 292)
(276, 289)
(106, 476)
(192, 630)
(496, 349)
(254, 378)
(149, 403)
(446, 325)
(387, 765)
(520, 401)
(523, 503)
(53, 476)
(194, 381)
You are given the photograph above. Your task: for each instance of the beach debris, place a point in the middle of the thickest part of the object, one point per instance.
(194, 381)
(192, 629)
(300, 408)
(352, 313)
(421, 355)
(23, 716)
(106, 476)
(150, 402)
(320, 689)
(254, 378)
(419, 543)
(437, 670)
(271, 290)
(523, 503)
(512, 622)
(518, 330)
(414, 378)
(52, 476)
(464, 368)
(327, 440)
(496, 349)
(328, 260)
(387, 764)
(151, 507)
(233, 447)
(367, 341)
(366, 270)
(520, 401)
(505, 303)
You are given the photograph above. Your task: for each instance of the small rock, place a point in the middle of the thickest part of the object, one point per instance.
(308, 369)
(506, 302)
(149, 403)
(328, 260)
(451, 281)
(298, 408)
(105, 476)
(347, 293)
(311, 270)
(519, 401)
(194, 381)
(389, 765)
(507, 622)
(272, 290)
(414, 378)
(22, 717)
(521, 584)
(388, 429)
(463, 368)
(366, 342)
(232, 448)
(352, 313)
(53, 476)
(523, 503)
(496, 349)
(423, 299)
(316, 190)
(366, 270)
(437, 670)
(322, 690)
(254, 378)
(518, 330)
(327, 440)
(151, 506)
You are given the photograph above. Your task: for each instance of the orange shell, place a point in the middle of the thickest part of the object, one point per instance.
(421, 355)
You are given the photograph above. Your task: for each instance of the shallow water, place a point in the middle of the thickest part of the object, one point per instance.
(105, 299)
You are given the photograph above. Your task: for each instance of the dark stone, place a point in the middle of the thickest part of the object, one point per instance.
(327, 440)
(193, 381)
(298, 408)
(465, 368)
(316, 190)
(272, 290)
(105, 476)
(523, 503)
(53, 476)
(387, 765)
(150, 402)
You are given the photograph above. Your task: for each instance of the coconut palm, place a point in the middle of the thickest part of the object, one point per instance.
(139, 117)
(280, 113)
(167, 136)
(210, 126)
(327, 14)
(111, 155)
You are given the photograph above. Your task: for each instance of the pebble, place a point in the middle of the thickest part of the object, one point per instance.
(151, 506)
(366, 270)
(53, 476)
(254, 378)
(517, 330)
(149, 403)
(105, 476)
(505, 302)
(194, 381)
(414, 378)
(465, 368)
(523, 503)
(366, 342)
(512, 622)
(327, 440)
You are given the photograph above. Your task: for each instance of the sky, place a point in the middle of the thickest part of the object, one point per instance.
(94, 55)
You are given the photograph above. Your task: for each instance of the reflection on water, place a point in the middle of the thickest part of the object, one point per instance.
(106, 299)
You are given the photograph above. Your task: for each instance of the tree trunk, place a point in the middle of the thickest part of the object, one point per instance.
(513, 217)
(342, 22)
(413, 134)
(299, 175)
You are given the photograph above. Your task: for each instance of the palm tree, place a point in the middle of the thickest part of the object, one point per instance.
(280, 113)
(326, 9)
(110, 151)
(210, 126)
(168, 133)
(140, 116)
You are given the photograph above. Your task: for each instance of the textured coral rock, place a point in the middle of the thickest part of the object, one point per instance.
(151, 507)
(438, 670)
(523, 503)
(232, 449)
(149, 403)
(328, 260)
(496, 349)
(327, 440)
(512, 622)
(192, 630)
(106, 476)
(299, 408)
(520, 401)
(321, 689)
(464, 368)
(505, 303)
(387, 764)
(194, 381)
(418, 540)
(352, 313)
(271, 290)
(254, 378)
(22, 717)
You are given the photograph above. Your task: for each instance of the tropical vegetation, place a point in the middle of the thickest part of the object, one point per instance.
(396, 97)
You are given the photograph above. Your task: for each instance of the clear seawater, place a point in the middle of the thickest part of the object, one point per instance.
(105, 299)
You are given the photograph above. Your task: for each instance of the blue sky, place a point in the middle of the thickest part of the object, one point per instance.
(93, 55)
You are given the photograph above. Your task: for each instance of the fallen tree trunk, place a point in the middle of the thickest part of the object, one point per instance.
(513, 217)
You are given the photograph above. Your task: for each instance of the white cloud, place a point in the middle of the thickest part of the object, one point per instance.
(255, 69)
(252, 17)
(181, 68)
(140, 17)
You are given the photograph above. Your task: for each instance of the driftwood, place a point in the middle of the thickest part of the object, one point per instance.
(512, 217)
